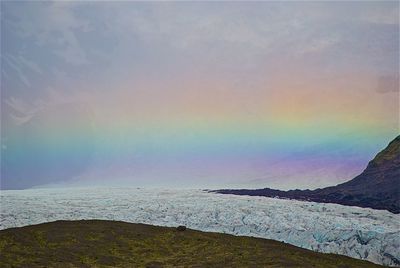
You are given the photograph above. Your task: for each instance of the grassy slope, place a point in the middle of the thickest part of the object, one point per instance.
(391, 151)
(98, 243)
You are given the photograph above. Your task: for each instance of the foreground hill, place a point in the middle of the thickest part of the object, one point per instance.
(96, 243)
(378, 186)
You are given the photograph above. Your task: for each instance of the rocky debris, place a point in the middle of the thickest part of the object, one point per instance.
(181, 228)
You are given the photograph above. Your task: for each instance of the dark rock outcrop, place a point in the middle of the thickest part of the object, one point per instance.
(378, 186)
(181, 228)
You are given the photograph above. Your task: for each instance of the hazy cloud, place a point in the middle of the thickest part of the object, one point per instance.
(388, 83)
(123, 66)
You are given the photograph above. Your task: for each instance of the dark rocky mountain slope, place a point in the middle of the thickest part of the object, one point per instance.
(378, 186)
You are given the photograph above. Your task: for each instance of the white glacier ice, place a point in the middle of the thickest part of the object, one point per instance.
(361, 233)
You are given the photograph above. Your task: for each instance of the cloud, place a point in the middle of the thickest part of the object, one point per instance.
(14, 64)
(134, 64)
(20, 112)
(49, 24)
(388, 84)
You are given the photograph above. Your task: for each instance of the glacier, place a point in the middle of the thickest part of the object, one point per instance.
(362, 233)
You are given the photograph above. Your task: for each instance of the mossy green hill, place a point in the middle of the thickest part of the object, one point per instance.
(96, 243)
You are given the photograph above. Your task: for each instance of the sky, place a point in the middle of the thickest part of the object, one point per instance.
(196, 94)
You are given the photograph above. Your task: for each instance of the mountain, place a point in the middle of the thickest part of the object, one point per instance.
(96, 243)
(378, 186)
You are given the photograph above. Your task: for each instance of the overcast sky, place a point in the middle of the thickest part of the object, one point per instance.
(196, 94)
